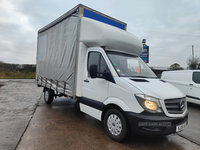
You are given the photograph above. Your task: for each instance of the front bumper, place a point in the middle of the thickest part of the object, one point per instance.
(150, 124)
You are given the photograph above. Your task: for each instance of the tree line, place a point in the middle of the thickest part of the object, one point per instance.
(192, 63)
(17, 70)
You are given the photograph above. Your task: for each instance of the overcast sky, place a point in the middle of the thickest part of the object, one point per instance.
(170, 27)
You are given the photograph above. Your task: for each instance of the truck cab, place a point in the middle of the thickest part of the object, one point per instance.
(123, 92)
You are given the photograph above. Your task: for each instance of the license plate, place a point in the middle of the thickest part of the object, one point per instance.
(181, 127)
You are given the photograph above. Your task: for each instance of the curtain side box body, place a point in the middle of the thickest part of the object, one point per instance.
(58, 49)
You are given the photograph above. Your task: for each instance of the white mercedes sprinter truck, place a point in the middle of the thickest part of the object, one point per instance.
(90, 57)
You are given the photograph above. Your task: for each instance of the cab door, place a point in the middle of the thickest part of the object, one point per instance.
(95, 90)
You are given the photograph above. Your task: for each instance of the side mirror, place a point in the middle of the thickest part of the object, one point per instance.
(93, 71)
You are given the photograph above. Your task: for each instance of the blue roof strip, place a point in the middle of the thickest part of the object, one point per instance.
(90, 14)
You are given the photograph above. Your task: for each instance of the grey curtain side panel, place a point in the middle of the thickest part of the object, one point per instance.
(56, 55)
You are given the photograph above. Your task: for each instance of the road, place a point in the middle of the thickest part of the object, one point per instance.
(192, 132)
(18, 100)
(62, 126)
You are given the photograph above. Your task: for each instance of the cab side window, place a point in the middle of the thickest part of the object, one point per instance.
(103, 65)
(95, 58)
(196, 77)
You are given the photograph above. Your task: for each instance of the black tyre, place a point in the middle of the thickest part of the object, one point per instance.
(48, 96)
(115, 125)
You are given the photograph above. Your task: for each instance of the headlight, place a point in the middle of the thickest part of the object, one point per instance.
(149, 103)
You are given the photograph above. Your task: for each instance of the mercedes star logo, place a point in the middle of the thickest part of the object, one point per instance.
(181, 104)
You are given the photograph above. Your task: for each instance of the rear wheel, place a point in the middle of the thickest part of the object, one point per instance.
(48, 96)
(115, 125)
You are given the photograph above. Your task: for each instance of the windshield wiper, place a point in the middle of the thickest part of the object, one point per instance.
(144, 77)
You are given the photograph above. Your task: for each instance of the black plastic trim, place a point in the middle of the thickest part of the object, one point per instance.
(139, 80)
(193, 97)
(135, 121)
(92, 103)
(163, 81)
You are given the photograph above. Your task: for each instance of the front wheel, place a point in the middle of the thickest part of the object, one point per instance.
(48, 96)
(115, 125)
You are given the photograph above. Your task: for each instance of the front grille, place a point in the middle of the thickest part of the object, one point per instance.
(175, 106)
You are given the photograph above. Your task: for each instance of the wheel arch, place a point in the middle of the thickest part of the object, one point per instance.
(115, 103)
(116, 107)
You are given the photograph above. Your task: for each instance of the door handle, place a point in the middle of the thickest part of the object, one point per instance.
(191, 84)
(86, 80)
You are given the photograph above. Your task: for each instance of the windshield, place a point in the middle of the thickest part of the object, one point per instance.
(129, 65)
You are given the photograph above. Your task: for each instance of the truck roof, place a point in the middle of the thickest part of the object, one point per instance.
(85, 11)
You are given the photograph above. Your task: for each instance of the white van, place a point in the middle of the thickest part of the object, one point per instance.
(188, 81)
(97, 62)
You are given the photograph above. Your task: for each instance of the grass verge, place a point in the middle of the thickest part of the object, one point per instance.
(16, 74)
